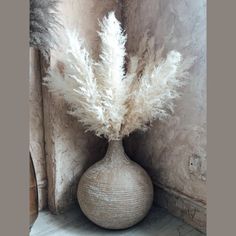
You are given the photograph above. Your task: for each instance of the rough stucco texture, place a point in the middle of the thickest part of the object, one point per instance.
(36, 127)
(174, 153)
(69, 151)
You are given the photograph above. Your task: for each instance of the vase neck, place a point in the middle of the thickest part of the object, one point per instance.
(115, 150)
(115, 144)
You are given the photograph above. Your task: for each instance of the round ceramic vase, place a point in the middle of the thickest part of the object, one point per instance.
(115, 193)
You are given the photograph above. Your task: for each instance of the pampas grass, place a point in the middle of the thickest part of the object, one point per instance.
(43, 24)
(106, 99)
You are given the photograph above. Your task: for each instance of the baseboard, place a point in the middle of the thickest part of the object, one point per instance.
(193, 213)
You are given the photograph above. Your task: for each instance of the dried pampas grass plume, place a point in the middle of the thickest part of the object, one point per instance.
(43, 24)
(102, 96)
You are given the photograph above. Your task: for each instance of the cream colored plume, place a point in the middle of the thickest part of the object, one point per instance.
(102, 96)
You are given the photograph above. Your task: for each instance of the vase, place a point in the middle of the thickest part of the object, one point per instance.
(116, 192)
(33, 194)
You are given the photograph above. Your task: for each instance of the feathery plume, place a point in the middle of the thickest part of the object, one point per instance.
(102, 96)
(43, 24)
(110, 73)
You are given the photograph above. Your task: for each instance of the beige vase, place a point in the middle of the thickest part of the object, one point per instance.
(115, 193)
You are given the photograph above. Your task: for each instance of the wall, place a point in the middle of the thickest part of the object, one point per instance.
(70, 151)
(36, 126)
(174, 153)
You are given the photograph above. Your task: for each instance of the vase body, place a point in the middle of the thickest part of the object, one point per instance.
(115, 193)
(33, 194)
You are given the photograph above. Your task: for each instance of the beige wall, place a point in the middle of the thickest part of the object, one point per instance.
(36, 126)
(174, 153)
(69, 150)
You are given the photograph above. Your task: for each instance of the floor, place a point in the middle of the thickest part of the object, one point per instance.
(74, 223)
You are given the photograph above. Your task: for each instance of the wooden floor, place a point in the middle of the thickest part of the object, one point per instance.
(74, 223)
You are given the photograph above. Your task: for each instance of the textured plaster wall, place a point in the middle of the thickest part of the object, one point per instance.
(36, 127)
(69, 151)
(174, 152)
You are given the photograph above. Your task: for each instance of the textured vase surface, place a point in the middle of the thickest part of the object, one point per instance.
(115, 193)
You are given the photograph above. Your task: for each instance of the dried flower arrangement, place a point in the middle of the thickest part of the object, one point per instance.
(106, 99)
(43, 24)
(115, 192)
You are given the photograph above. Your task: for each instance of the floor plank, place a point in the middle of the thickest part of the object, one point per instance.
(73, 223)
